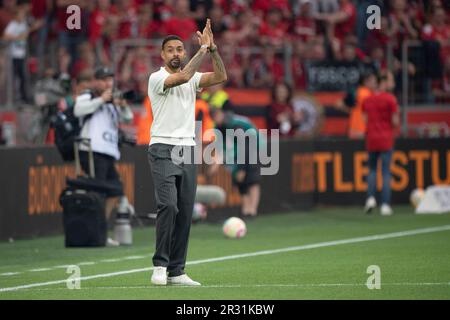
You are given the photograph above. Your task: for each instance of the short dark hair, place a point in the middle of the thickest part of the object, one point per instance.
(169, 38)
(366, 75)
(103, 72)
(288, 87)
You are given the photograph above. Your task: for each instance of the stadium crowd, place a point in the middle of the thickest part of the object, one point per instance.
(252, 36)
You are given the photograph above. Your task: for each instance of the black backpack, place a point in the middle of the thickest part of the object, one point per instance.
(67, 128)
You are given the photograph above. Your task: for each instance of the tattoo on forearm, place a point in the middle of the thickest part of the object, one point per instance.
(194, 63)
(219, 67)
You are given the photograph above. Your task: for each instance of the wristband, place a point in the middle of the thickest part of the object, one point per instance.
(204, 46)
(211, 50)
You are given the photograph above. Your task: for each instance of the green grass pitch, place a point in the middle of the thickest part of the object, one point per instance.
(284, 256)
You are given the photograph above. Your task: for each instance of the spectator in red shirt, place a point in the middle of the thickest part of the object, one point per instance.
(40, 7)
(304, 25)
(7, 12)
(181, 24)
(378, 37)
(262, 7)
(341, 22)
(297, 65)
(98, 17)
(273, 31)
(147, 27)
(164, 9)
(280, 110)
(401, 25)
(265, 71)
(127, 12)
(139, 23)
(103, 46)
(344, 20)
(233, 7)
(438, 30)
(244, 29)
(381, 114)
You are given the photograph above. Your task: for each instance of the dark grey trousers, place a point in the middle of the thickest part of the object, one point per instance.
(175, 185)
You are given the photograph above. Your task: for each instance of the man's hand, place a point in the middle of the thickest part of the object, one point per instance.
(107, 95)
(120, 103)
(203, 38)
(219, 75)
(212, 45)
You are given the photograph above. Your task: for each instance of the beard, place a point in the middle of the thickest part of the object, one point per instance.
(175, 63)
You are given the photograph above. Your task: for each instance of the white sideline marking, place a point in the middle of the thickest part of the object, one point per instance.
(7, 274)
(251, 254)
(134, 257)
(87, 263)
(271, 285)
(110, 260)
(40, 269)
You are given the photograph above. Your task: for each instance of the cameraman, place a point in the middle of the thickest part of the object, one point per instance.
(100, 114)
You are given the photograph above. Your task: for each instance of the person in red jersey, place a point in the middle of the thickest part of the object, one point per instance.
(97, 19)
(181, 24)
(273, 30)
(381, 114)
(438, 30)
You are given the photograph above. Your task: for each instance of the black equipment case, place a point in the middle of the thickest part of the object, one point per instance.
(83, 205)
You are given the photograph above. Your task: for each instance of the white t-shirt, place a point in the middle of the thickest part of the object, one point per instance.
(102, 127)
(173, 109)
(19, 47)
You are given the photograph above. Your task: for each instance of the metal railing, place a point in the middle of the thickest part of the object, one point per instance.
(6, 76)
(408, 81)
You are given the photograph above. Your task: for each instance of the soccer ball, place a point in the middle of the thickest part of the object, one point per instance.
(416, 196)
(199, 213)
(234, 228)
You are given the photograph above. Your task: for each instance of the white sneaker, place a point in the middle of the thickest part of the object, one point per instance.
(386, 210)
(159, 276)
(112, 243)
(182, 280)
(371, 203)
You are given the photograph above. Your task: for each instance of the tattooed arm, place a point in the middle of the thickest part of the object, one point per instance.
(188, 72)
(220, 74)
